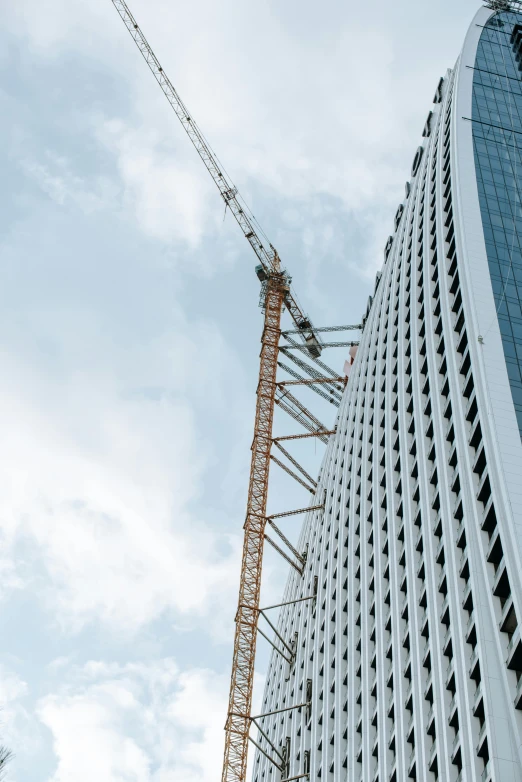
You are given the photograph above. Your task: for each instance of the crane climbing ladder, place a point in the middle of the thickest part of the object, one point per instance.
(276, 294)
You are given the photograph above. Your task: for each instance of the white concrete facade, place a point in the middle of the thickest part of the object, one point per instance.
(409, 654)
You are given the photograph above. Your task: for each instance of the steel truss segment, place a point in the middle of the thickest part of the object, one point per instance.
(277, 765)
(324, 345)
(296, 464)
(298, 411)
(295, 512)
(331, 394)
(299, 776)
(306, 367)
(268, 740)
(357, 327)
(283, 537)
(292, 474)
(272, 644)
(280, 711)
(311, 382)
(278, 634)
(289, 603)
(321, 434)
(285, 556)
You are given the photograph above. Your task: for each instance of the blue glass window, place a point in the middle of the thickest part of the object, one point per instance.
(497, 143)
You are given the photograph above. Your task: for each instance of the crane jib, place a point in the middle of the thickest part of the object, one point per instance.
(228, 191)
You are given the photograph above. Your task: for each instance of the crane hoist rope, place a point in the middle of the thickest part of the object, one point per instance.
(276, 294)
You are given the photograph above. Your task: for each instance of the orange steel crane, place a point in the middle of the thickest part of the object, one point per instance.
(276, 294)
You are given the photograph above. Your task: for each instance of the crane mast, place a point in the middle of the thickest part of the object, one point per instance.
(276, 294)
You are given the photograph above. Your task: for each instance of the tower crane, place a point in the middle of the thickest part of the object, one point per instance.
(276, 294)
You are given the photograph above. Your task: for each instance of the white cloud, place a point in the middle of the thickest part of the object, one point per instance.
(55, 177)
(101, 477)
(19, 728)
(307, 116)
(145, 722)
(163, 190)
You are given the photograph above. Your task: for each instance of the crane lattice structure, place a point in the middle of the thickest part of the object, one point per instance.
(275, 295)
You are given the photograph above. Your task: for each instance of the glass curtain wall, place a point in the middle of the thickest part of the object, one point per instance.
(497, 140)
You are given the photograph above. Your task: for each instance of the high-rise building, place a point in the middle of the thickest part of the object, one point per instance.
(408, 662)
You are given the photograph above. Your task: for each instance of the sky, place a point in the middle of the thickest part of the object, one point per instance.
(129, 337)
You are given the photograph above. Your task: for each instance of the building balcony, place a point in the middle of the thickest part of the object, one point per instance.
(486, 774)
(411, 765)
(470, 628)
(472, 402)
(409, 697)
(450, 670)
(433, 756)
(489, 518)
(518, 694)
(474, 665)
(463, 565)
(458, 510)
(465, 363)
(479, 463)
(501, 587)
(452, 458)
(478, 700)
(444, 611)
(494, 551)
(482, 741)
(446, 644)
(514, 652)
(452, 711)
(461, 535)
(430, 725)
(508, 620)
(437, 524)
(455, 481)
(483, 492)
(475, 434)
(467, 600)
(373, 686)
(455, 749)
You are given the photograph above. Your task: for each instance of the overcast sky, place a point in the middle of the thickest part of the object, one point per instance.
(129, 336)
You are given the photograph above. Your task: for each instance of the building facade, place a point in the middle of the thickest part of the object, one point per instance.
(408, 661)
